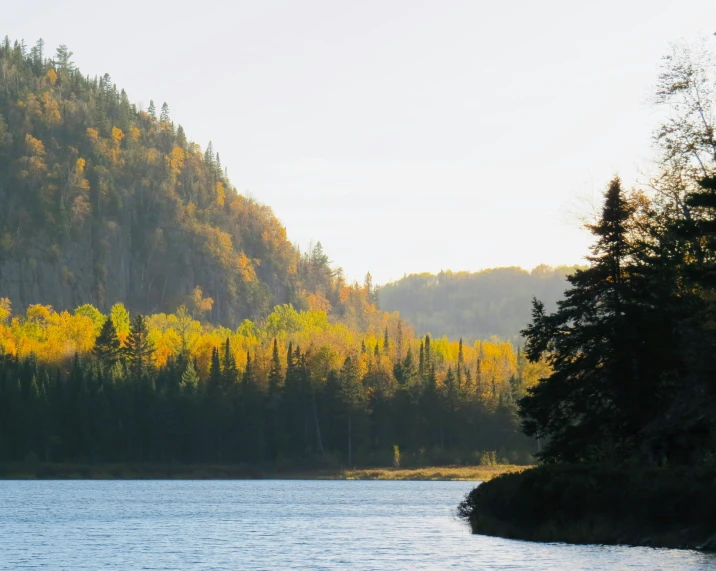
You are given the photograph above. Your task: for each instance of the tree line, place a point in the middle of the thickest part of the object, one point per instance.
(296, 388)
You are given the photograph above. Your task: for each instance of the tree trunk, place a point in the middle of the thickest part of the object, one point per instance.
(350, 453)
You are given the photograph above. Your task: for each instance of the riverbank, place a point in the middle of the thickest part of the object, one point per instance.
(52, 471)
(659, 507)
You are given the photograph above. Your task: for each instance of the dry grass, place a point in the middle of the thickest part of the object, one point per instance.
(472, 473)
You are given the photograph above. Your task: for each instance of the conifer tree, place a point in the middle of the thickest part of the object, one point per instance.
(275, 376)
(352, 399)
(601, 392)
(107, 347)
(229, 372)
(139, 349)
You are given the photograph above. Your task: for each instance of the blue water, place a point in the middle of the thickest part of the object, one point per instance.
(272, 524)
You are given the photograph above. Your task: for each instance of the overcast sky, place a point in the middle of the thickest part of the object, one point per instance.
(406, 136)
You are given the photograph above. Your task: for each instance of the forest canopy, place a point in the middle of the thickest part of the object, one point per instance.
(105, 202)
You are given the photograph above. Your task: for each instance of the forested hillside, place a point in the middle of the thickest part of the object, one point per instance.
(474, 305)
(104, 202)
(149, 312)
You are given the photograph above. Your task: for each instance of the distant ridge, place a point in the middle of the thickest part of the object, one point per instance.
(474, 305)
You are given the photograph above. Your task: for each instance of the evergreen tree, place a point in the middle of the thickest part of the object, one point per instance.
(139, 349)
(107, 347)
(229, 372)
(190, 378)
(275, 375)
(352, 398)
(164, 115)
(214, 383)
(602, 391)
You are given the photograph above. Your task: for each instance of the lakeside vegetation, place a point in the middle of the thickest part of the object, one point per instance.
(626, 416)
(88, 387)
(596, 503)
(70, 471)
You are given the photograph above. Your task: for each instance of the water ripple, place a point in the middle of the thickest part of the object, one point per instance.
(273, 524)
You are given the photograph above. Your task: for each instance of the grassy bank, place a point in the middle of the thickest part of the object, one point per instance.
(51, 471)
(665, 507)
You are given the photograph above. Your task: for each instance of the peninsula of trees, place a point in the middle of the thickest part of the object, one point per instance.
(627, 414)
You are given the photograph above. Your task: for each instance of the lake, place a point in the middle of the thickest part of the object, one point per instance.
(275, 524)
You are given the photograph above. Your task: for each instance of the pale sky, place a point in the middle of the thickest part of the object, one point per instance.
(406, 136)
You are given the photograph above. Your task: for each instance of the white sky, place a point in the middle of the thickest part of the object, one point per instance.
(406, 136)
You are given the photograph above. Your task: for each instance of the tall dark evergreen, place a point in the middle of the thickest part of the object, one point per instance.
(609, 350)
(107, 347)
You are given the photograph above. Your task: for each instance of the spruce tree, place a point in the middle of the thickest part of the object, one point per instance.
(601, 392)
(229, 372)
(107, 347)
(139, 349)
(275, 375)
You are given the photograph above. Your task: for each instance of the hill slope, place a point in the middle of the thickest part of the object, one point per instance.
(474, 305)
(103, 202)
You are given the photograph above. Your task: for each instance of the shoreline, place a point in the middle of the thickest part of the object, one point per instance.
(61, 471)
(598, 504)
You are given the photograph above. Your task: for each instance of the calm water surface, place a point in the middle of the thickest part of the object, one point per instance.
(271, 524)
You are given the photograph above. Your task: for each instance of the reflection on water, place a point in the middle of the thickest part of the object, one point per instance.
(272, 524)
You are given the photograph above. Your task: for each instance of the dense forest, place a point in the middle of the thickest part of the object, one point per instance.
(296, 388)
(104, 202)
(479, 305)
(150, 313)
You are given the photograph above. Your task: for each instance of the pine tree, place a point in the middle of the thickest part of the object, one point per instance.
(164, 115)
(190, 378)
(214, 382)
(107, 347)
(352, 399)
(139, 349)
(275, 375)
(229, 371)
(602, 391)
